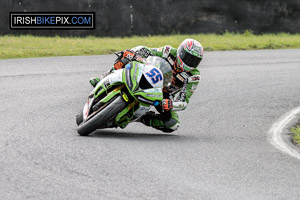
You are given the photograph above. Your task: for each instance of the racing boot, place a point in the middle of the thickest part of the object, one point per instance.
(94, 81)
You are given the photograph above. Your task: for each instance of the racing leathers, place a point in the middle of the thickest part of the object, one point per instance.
(178, 93)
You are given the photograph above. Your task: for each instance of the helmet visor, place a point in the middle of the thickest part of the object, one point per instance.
(187, 58)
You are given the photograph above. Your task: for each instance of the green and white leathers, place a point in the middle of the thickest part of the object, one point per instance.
(184, 83)
(124, 95)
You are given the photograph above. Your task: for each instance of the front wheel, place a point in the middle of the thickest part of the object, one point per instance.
(101, 118)
(79, 118)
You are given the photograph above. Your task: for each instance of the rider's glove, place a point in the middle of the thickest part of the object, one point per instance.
(167, 104)
(129, 54)
(126, 57)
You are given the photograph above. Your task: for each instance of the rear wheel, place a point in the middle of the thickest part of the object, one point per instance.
(101, 118)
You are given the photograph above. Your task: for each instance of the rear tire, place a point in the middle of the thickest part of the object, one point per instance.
(101, 118)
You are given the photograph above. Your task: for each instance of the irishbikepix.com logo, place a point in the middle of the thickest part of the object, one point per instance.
(34, 20)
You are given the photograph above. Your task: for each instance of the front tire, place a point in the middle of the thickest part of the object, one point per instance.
(101, 118)
(79, 118)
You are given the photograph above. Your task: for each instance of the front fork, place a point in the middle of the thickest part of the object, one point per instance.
(88, 106)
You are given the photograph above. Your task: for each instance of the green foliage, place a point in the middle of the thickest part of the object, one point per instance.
(296, 136)
(33, 46)
(248, 33)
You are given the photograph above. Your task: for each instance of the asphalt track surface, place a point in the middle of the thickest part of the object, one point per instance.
(221, 150)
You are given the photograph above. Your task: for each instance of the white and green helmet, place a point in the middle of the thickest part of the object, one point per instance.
(189, 54)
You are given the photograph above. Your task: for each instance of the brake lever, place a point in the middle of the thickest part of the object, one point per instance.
(119, 53)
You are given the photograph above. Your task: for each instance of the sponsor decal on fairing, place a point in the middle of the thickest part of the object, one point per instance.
(128, 79)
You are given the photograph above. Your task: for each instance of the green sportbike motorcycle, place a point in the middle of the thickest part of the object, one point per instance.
(125, 95)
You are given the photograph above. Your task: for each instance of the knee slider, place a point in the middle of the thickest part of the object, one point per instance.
(172, 124)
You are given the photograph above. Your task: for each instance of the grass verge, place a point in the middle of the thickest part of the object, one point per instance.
(33, 46)
(296, 135)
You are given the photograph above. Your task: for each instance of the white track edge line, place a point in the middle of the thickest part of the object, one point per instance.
(275, 133)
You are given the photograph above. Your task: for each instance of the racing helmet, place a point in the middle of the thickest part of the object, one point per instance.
(189, 55)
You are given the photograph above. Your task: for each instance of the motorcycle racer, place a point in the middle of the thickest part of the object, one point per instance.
(186, 76)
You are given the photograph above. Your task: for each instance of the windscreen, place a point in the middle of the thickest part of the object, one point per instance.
(164, 67)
